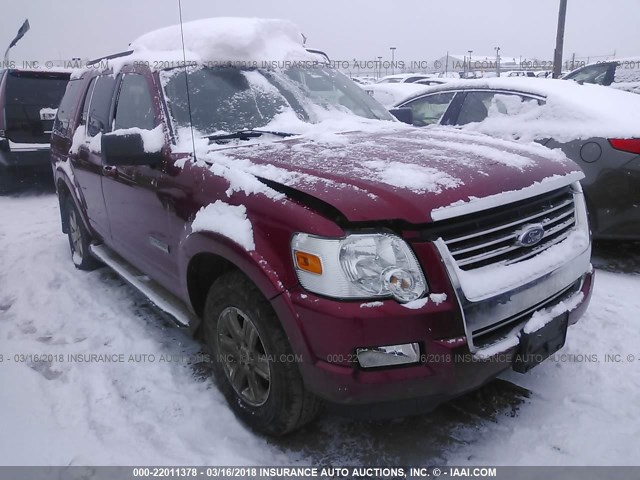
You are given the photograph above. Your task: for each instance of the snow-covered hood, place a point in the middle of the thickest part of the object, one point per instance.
(398, 174)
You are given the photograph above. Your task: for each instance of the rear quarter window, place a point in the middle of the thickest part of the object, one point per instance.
(479, 106)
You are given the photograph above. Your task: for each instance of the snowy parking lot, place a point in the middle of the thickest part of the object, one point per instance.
(579, 408)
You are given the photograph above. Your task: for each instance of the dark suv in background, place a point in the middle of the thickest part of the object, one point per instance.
(380, 267)
(28, 103)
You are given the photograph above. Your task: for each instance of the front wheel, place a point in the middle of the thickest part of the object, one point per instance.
(252, 360)
(79, 239)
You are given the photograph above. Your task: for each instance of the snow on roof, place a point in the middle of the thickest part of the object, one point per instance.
(482, 58)
(389, 94)
(230, 39)
(610, 60)
(42, 69)
(571, 111)
(407, 75)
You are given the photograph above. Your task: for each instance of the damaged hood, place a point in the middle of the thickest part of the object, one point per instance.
(404, 174)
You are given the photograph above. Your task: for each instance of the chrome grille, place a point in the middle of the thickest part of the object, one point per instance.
(490, 237)
(485, 336)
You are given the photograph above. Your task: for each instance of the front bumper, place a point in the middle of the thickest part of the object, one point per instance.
(330, 332)
(448, 368)
(465, 340)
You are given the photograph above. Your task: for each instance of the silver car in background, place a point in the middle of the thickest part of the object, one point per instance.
(597, 127)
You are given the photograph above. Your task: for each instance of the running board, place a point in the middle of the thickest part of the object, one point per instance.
(158, 295)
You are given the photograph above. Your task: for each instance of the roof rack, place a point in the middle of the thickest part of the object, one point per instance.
(110, 57)
(129, 52)
(319, 52)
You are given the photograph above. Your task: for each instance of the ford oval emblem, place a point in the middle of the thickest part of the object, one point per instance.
(530, 235)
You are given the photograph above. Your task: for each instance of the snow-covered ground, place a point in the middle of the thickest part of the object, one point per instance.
(148, 411)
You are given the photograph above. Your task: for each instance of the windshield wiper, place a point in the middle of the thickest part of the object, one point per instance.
(247, 134)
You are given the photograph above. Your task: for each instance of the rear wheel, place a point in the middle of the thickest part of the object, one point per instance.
(252, 360)
(79, 239)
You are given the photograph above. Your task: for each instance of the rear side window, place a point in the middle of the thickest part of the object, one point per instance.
(100, 107)
(477, 106)
(67, 108)
(135, 104)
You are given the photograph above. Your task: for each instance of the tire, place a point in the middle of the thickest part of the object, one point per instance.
(79, 239)
(252, 360)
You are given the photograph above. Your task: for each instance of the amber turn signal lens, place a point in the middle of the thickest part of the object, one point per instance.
(308, 262)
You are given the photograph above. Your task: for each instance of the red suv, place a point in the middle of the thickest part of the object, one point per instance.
(323, 252)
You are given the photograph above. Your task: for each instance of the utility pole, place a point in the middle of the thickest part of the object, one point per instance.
(393, 60)
(557, 56)
(497, 49)
(469, 68)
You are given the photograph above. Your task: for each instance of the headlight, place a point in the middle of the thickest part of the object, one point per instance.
(358, 266)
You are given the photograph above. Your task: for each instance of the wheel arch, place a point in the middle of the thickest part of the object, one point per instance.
(205, 256)
(65, 191)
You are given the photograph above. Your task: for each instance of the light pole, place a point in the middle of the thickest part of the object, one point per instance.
(380, 67)
(497, 49)
(21, 31)
(557, 54)
(393, 60)
(469, 67)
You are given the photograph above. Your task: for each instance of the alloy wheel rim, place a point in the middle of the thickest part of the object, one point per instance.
(76, 236)
(243, 356)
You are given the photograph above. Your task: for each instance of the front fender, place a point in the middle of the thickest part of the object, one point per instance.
(257, 269)
(252, 264)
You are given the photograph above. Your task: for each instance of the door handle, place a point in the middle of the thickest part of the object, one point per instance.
(110, 171)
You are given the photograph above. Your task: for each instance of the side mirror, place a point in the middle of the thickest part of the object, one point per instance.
(403, 114)
(128, 149)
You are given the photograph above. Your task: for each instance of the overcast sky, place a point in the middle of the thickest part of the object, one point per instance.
(345, 29)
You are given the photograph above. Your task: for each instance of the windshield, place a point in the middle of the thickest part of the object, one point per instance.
(232, 99)
(596, 74)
